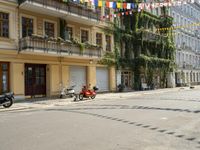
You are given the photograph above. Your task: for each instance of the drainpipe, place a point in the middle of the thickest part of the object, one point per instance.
(18, 27)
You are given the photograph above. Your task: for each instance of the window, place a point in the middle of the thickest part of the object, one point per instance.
(84, 36)
(107, 13)
(4, 25)
(108, 43)
(4, 77)
(27, 26)
(49, 29)
(99, 39)
(69, 33)
(157, 11)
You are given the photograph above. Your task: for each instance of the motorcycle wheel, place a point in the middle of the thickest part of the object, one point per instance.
(9, 103)
(72, 95)
(75, 97)
(92, 97)
(81, 97)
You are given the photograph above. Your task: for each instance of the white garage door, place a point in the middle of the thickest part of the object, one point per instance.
(102, 79)
(77, 77)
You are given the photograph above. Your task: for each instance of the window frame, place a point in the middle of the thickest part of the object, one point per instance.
(45, 34)
(107, 42)
(99, 39)
(2, 21)
(88, 31)
(73, 31)
(34, 23)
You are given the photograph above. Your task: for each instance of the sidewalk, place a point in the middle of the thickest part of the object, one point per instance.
(45, 102)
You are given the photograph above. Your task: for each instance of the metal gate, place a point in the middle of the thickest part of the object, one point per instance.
(102, 79)
(77, 77)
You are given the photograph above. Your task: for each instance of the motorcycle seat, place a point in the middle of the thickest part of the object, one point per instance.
(7, 94)
(2, 96)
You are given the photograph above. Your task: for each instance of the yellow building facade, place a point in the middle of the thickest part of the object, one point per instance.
(41, 48)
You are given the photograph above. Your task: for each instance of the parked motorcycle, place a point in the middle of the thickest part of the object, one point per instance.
(87, 93)
(7, 99)
(67, 91)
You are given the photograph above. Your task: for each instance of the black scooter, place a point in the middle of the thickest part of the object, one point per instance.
(7, 99)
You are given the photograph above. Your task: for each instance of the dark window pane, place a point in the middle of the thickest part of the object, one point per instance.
(49, 29)
(27, 27)
(99, 39)
(4, 66)
(108, 43)
(84, 36)
(4, 81)
(4, 24)
(69, 33)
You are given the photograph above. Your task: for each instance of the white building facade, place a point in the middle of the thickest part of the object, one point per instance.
(187, 41)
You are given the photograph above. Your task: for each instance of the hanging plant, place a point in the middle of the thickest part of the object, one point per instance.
(82, 47)
(108, 59)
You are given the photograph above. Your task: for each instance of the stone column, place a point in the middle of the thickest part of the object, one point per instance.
(171, 80)
(17, 78)
(65, 75)
(112, 79)
(54, 79)
(91, 75)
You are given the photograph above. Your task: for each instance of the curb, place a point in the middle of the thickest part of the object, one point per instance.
(45, 102)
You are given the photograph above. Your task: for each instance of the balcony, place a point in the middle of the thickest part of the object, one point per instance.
(187, 66)
(66, 10)
(54, 47)
(150, 36)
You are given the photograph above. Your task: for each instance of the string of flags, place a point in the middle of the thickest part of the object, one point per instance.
(179, 27)
(129, 8)
(127, 12)
(126, 5)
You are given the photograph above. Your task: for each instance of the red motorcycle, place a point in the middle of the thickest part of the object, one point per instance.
(87, 93)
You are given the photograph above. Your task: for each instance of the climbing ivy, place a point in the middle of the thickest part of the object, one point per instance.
(151, 55)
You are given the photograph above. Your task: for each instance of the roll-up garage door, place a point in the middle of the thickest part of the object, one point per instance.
(102, 79)
(77, 77)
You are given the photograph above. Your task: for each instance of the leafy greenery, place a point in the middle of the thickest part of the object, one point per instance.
(147, 52)
(153, 52)
(108, 59)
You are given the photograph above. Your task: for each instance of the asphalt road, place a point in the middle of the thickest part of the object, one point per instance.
(165, 121)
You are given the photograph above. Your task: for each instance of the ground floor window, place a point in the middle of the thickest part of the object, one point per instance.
(4, 77)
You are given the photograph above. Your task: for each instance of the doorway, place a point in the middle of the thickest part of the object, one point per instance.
(35, 79)
(4, 77)
(127, 79)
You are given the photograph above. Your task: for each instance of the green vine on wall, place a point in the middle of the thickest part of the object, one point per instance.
(150, 54)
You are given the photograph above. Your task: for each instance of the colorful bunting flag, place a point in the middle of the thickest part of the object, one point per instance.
(128, 5)
(100, 4)
(124, 5)
(110, 4)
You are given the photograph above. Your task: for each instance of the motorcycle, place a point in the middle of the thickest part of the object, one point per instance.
(67, 91)
(87, 93)
(7, 99)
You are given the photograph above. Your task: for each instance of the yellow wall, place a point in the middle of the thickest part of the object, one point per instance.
(55, 72)
(54, 79)
(91, 75)
(65, 75)
(12, 41)
(17, 78)
(112, 78)
(39, 27)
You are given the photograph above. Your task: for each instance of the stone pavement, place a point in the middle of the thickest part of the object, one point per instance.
(46, 103)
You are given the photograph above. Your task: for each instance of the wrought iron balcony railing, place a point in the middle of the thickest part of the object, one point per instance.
(57, 47)
(70, 7)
